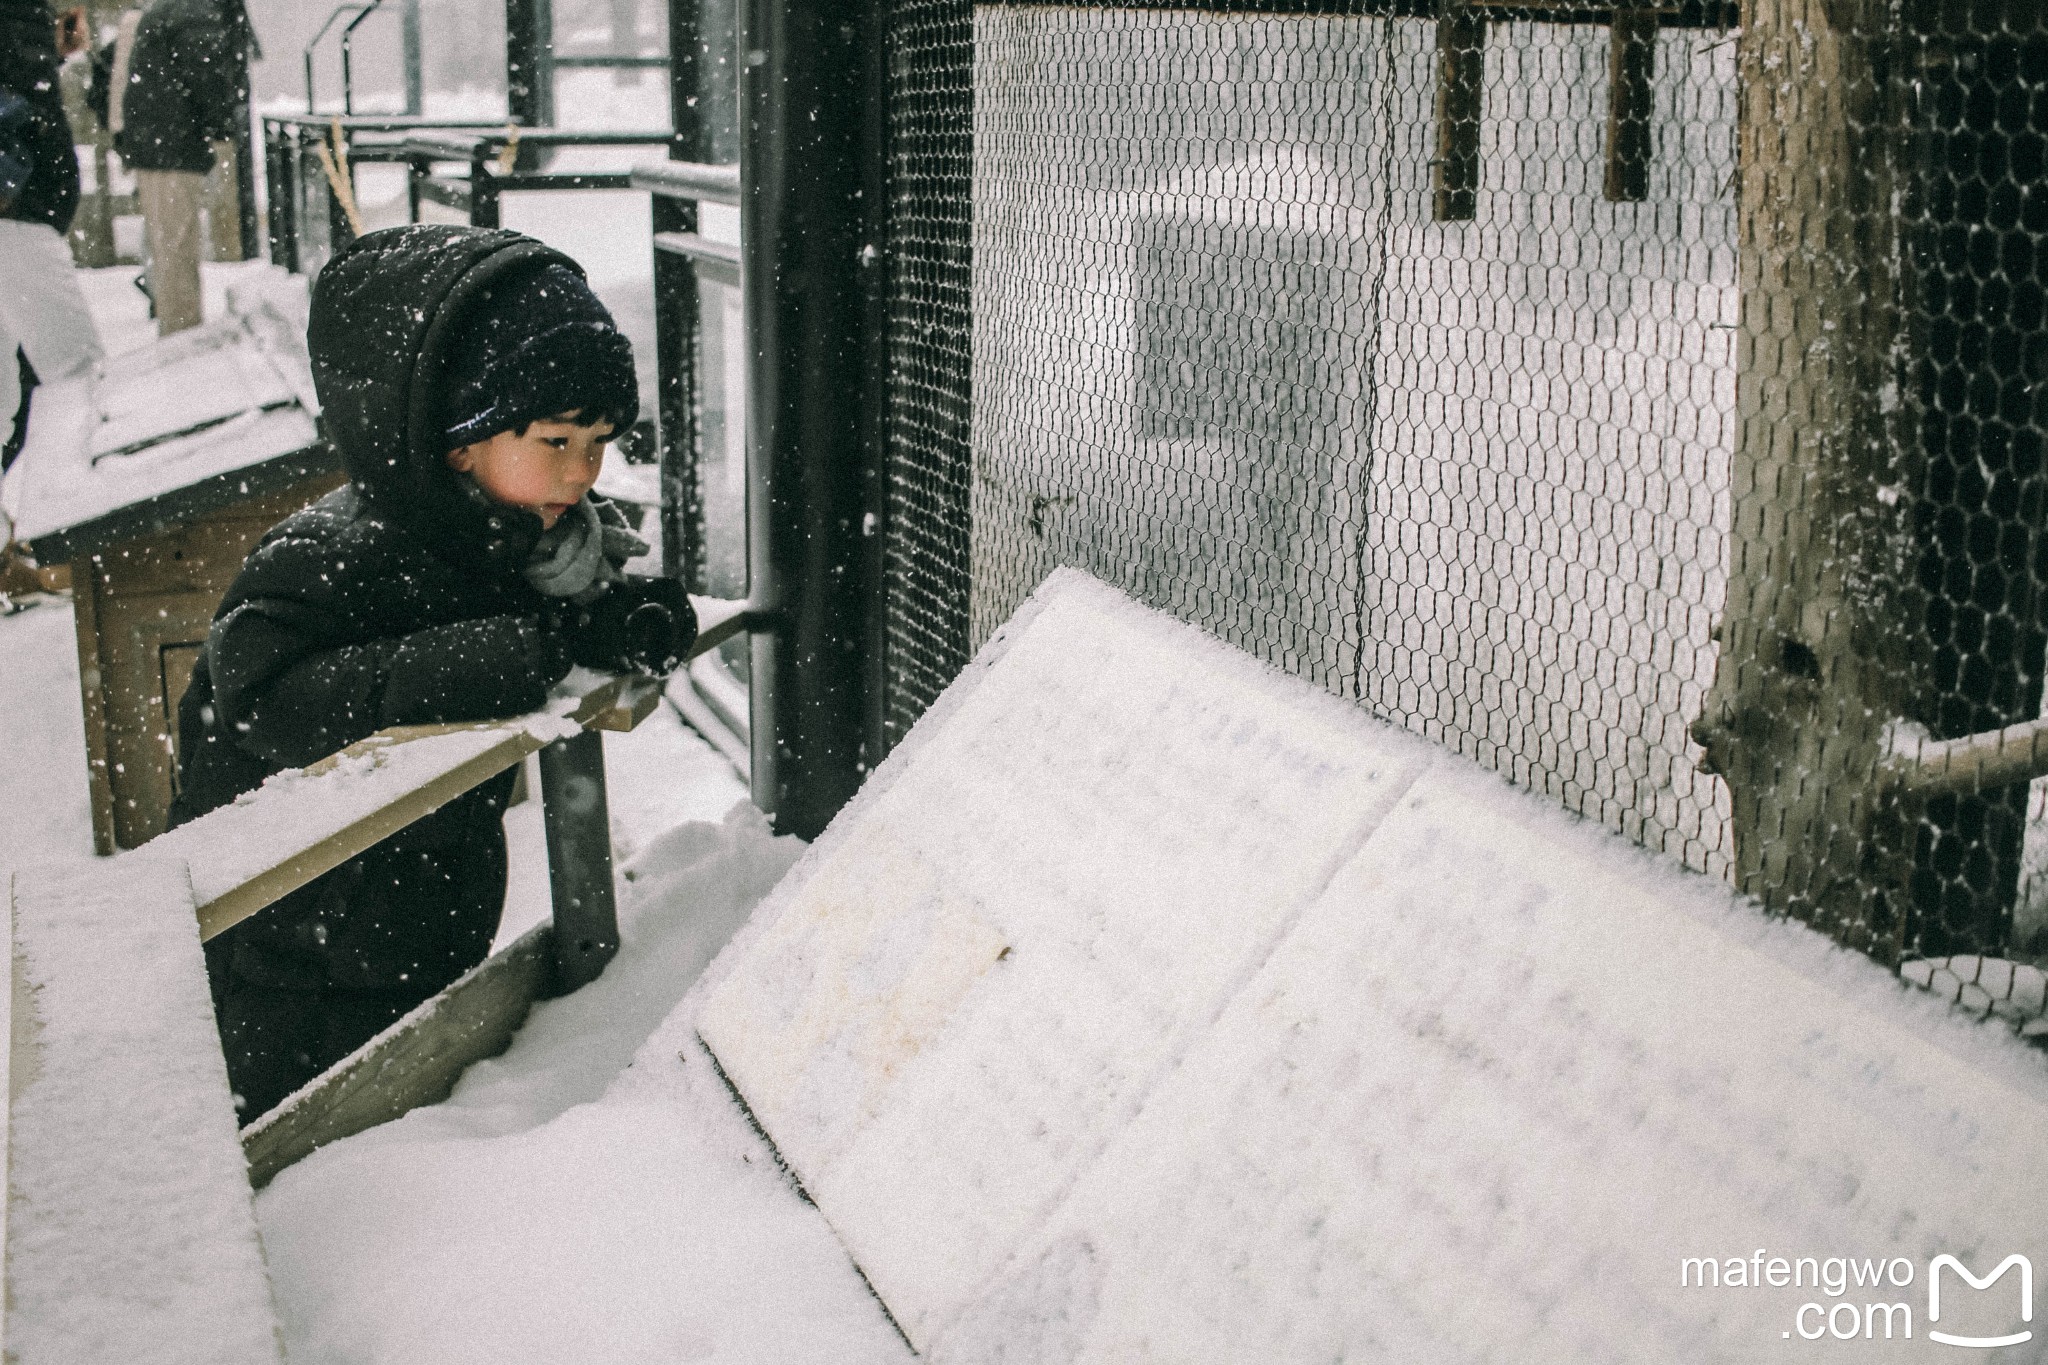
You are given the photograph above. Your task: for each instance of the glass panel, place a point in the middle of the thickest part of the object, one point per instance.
(722, 448)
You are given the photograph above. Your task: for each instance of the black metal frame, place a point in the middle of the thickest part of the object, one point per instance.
(477, 192)
(810, 209)
(293, 174)
(291, 158)
(531, 60)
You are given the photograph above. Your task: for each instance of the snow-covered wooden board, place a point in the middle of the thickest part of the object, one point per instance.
(302, 822)
(1035, 887)
(130, 1236)
(185, 412)
(1154, 1006)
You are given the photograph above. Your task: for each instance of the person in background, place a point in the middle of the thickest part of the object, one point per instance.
(185, 93)
(46, 332)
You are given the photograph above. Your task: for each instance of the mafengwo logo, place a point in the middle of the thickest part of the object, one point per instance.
(1860, 1299)
(1940, 1263)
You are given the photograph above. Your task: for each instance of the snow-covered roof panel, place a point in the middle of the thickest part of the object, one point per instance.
(172, 429)
(1152, 1005)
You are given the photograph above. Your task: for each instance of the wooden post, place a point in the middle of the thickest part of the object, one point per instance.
(1816, 655)
(1460, 103)
(1631, 102)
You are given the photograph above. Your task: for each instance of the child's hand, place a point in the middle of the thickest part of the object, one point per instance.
(643, 625)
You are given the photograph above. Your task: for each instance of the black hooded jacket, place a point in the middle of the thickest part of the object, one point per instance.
(188, 84)
(35, 136)
(396, 600)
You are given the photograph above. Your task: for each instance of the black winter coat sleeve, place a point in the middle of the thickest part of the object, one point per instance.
(292, 686)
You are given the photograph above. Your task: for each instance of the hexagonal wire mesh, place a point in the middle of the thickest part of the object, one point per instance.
(1647, 409)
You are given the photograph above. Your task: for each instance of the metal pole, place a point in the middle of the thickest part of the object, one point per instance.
(521, 36)
(807, 139)
(544, 63)
(409, 48)
(676, 316)
(579, 837)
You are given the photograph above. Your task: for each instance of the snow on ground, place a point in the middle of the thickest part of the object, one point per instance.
(546, 1211)
(45, 800)
(556, 1209)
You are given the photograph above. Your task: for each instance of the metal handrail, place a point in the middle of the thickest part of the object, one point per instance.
(690, 180)
(348, 37)
(306, 53)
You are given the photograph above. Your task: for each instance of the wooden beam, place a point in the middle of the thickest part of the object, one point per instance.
(414, 1062)
(1921, 766)
(1460, 105)
(1631, 103)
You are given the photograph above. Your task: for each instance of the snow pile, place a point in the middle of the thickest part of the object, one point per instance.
(129, 1231)
(1150, 1005)
(556, 1209)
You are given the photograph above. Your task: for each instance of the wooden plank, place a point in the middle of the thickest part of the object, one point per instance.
(414, 1062)
(300, 866)
(170, 510)
(636, 702)
(296, 830)
(1631, 102)
(1460, 104)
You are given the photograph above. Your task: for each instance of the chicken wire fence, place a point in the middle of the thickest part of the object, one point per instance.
(1648, 408)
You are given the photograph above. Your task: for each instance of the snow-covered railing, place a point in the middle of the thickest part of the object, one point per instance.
(296, 827)
(304, 822)
(125, 1178)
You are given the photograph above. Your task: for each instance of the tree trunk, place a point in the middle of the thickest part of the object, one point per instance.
(1816, 656)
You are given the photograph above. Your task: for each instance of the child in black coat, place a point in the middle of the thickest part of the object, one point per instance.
(470, 381)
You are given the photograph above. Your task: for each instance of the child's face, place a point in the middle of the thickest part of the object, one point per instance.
(545, 469)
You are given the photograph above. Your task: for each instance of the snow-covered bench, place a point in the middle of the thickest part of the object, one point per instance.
(132, 1237)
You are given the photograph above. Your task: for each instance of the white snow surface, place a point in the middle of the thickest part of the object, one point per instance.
(129, 1231)
(565, 1205)
(1152, 1005)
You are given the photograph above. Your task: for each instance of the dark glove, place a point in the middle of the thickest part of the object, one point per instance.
(642, 625)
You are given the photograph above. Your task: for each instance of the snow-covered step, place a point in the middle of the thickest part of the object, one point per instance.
(1153, 1006)
(130, 1235)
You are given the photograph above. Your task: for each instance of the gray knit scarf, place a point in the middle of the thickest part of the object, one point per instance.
(581, 555)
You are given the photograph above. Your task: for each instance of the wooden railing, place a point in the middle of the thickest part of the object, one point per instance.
(120, 1133)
